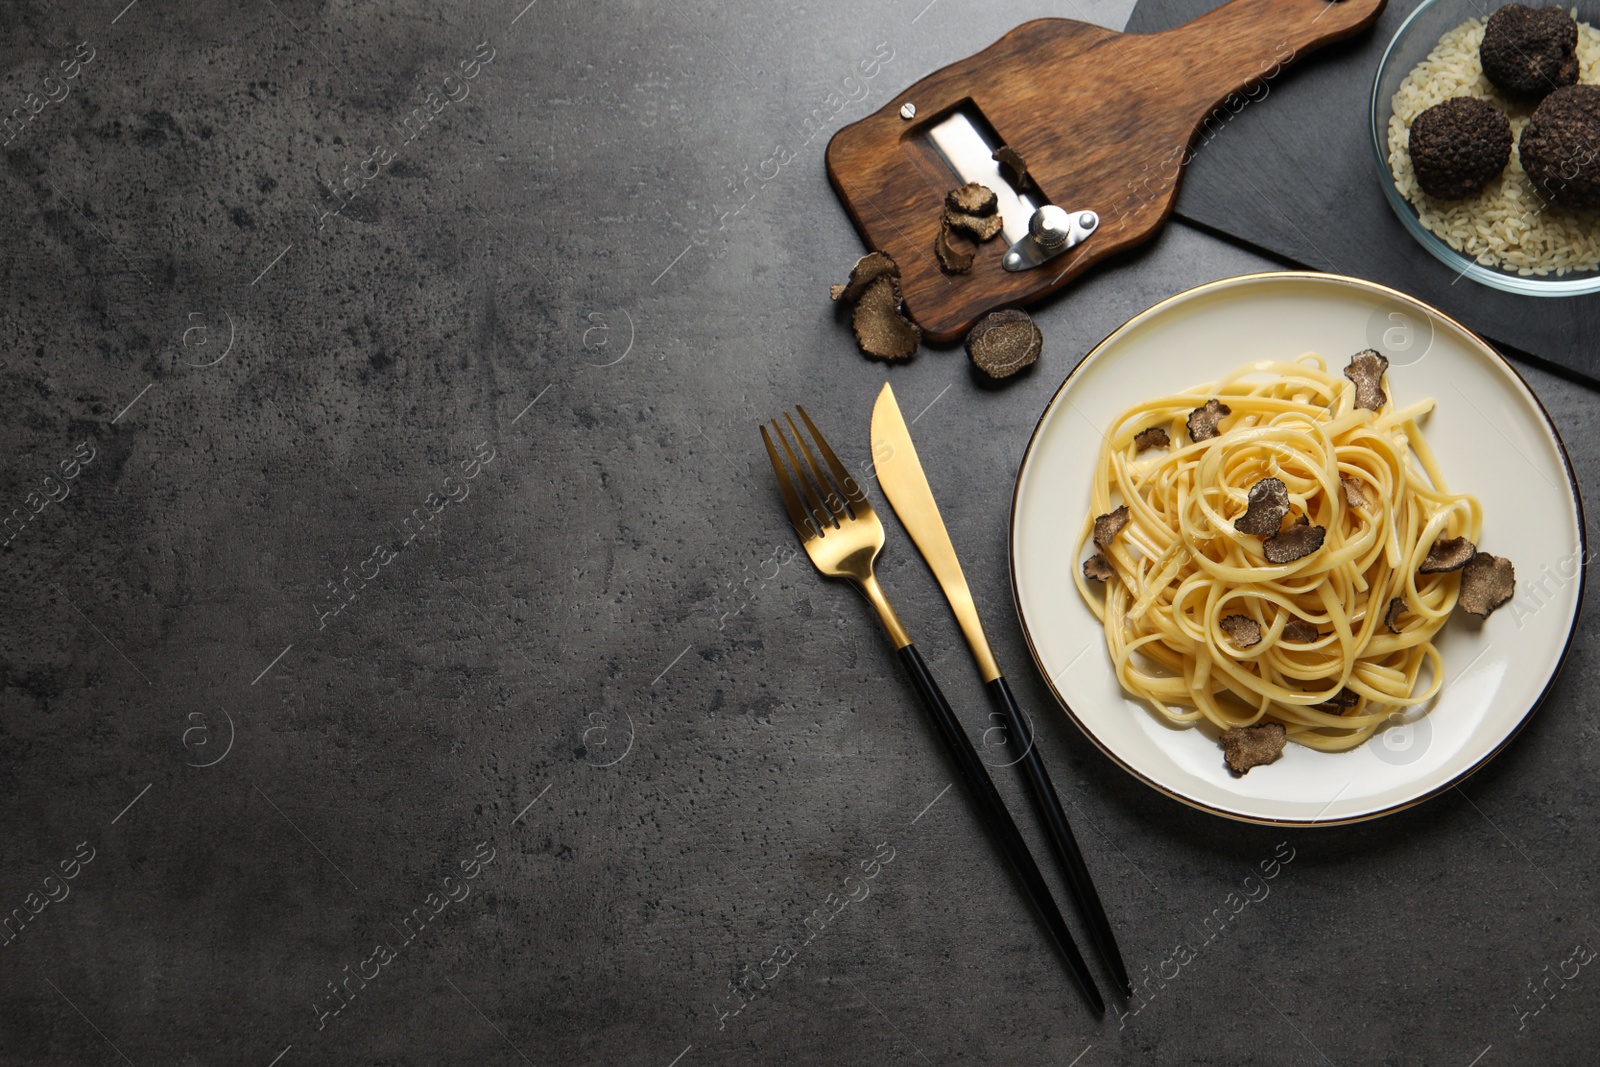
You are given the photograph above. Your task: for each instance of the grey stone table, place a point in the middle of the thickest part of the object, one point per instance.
(402, 664)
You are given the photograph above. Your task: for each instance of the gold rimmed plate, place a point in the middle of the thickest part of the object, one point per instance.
(1493, 439)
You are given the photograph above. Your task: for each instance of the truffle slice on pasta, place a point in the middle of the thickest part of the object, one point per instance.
(1448, 554)
(1297, 542)
(1267, 504)
(1098, 568)
(1202, 421)
(1366, 370)
(1242, 630)
(1107, 526)
(1245, 747)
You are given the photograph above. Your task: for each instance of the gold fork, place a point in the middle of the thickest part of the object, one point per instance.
(842, 535)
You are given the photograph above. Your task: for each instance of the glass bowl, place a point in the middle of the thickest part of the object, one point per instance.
(1412, 42)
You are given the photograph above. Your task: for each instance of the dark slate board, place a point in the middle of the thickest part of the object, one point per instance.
(1294, 175)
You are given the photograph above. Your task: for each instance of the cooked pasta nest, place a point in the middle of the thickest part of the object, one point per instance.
(1179, 567)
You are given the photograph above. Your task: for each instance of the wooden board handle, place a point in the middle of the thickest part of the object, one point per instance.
(1105, 121)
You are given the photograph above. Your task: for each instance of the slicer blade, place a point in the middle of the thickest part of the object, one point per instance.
(968, 151)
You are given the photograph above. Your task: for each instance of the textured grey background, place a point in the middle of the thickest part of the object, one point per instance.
(593, 664)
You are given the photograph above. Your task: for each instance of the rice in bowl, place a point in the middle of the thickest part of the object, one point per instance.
(1507, 225)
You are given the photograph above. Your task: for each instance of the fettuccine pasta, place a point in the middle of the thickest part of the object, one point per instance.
(1179, 567)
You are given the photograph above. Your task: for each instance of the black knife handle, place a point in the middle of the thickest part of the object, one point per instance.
(1066, 846)
(993, 810)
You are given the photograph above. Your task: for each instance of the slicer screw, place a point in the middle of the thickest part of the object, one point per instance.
(1050, 226)
(1087, 220)
(908, 110)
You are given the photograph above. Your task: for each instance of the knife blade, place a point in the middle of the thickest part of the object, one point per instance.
(901, 476)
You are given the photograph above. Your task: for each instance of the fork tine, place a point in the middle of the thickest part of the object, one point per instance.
(834, 501)
(791, 501)
(847, 484)
(820, 517)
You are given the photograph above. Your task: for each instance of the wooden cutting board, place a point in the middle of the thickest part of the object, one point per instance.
(1103, 119)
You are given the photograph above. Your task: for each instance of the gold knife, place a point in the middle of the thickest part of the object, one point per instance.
(900, 475)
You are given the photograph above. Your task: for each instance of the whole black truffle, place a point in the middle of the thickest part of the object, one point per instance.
(1560, 147)
(1530, 51)
(1459, 146)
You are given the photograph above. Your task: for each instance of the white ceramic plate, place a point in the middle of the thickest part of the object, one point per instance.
(1492, 438)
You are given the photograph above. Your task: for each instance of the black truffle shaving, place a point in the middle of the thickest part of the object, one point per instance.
(972, 199)
(1486, 583)
(1154, 437)
(1448, 554)
(1013, 169)
(1528, 52)
(981, 227)
(1202, 421)
(1268, 504)
(1391, 618)
(1366, 369)
(868, 269)
(1337, 704)
(1251, 746)
(1242, 630)
(1459, 146)
(881, 331)
(952, 260)
(1353, 496)
(1300, 632)
(1107, 526)
(1004, 342)
(1297, 542)
(1098, 568)
(1560, 147)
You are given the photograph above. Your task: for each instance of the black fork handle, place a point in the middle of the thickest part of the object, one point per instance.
(1066, 846)
(993, 810)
